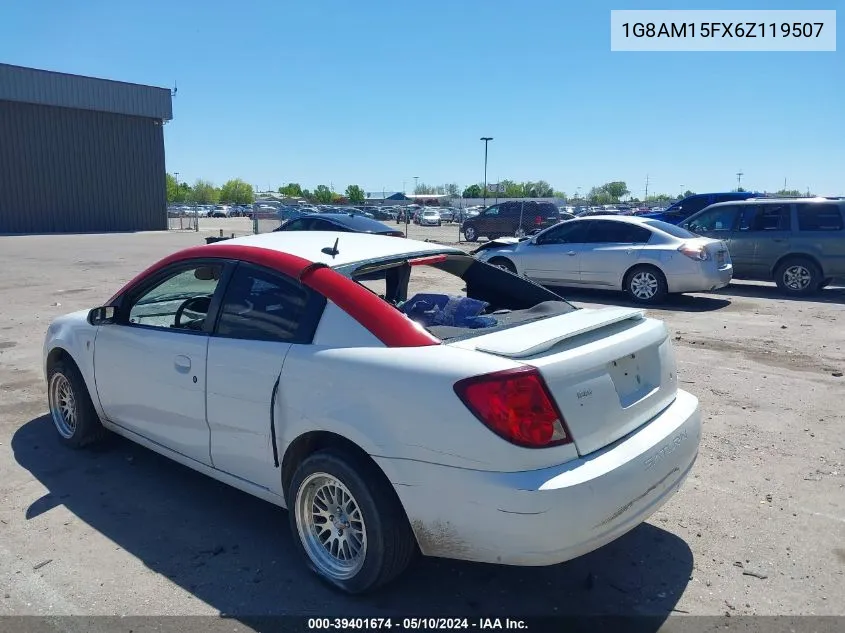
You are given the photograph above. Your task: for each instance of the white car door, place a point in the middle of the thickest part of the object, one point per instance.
(612, 247)
(553, 255)
(262, 313)
(150, 365)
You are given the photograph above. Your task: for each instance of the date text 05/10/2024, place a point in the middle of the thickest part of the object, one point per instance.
(723, 29)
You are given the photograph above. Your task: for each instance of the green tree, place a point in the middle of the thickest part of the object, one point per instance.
(688, 193)
(204, 192)
(172, 188)
(422, 189)
(355, 194)
(292, 190)
(739, 190)
(616, 190)
(236, 191)
(473, 191)
(512, 189)
(788, 193)
(452, 189)
(323, 194)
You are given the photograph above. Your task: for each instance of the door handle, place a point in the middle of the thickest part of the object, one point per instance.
(778, 239)
(571, 253)
(182, 363)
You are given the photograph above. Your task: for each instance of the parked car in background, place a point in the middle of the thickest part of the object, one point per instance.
(797, 243)
(345, 222)
(220, 211)
(646, 258)
(313, 378)
(511, 219)
(429, 217)
(338, 222)
(682, 209)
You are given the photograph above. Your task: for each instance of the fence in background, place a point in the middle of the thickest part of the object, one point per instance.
(448, 232)
(183, 222)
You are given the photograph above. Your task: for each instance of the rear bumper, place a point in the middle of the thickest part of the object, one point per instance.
(701, 280)
(556, 514)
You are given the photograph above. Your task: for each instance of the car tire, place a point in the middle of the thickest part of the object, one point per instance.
(388, 545)
(439, 224)
(504, 264)
(471, 234)
(71, 409)
(646, 285)
(798, 276)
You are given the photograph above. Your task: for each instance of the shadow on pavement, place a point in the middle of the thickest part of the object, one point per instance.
(236, 553)
(677, 303)
(835, 293)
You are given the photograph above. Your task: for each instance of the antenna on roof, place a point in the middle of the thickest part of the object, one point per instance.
(332, 250)
(175, 88)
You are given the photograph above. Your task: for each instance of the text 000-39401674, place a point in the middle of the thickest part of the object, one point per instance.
(806, 30)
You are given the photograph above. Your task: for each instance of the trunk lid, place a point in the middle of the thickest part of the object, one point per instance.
(609, 370)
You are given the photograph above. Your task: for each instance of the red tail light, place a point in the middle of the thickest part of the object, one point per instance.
(516, 405)
(538, 220)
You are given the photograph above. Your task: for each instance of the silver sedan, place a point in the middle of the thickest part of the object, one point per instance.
(646, 258)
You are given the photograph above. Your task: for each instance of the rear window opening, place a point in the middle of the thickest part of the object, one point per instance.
(456, 296)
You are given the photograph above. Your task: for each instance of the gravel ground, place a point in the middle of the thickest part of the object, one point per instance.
(759, 528)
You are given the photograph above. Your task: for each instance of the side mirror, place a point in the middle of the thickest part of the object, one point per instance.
(102, 315)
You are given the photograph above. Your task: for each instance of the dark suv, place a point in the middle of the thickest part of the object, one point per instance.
(504, 220)
(685, 208)
(798, 243)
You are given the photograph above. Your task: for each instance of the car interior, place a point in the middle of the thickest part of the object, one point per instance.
(479, 298)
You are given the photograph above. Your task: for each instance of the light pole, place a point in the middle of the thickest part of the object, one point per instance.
(682, 193)
(486, 140)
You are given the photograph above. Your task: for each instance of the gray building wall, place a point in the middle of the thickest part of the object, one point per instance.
(79, 170)
(44, 87)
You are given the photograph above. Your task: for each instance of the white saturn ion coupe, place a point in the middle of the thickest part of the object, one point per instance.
(395, 396)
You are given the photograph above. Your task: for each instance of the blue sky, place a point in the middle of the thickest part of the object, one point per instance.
(375, 93)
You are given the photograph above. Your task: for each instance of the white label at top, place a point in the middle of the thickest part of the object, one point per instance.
(717, 30)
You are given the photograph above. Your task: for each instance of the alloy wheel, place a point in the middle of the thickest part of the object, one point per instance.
(63, 405)
(644, 285)
(331, 526)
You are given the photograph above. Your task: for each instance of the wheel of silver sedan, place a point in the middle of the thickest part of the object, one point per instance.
(644, 285)
(63, 406)
(331, 526)
(797, 277)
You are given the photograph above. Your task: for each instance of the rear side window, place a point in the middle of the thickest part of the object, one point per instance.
(671, 229)
(765, 217)
(819, 217)
(262, 306)
(609, 232)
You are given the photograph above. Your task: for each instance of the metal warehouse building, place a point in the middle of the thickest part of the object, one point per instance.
(79, 154)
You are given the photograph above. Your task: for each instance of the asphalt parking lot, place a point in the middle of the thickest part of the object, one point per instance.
(759, 528)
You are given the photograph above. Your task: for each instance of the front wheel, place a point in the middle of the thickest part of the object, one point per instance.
(347, 521)
(71, 409)
(646, 284)
(470, 234)
(798, 277)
